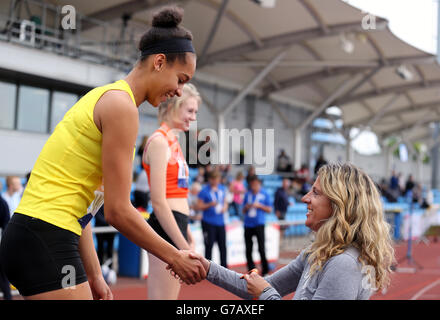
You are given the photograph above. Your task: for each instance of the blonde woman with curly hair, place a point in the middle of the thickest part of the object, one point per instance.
(351, 255)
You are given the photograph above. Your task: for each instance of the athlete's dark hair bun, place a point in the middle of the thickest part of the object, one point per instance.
(168, 17)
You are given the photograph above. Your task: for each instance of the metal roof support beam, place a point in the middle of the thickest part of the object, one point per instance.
(340, 90)
(240, 23)
(117, 11)
(288, 39)
(282, 116)
(289, 83)
(427, 118)
(299, 63)
(315, 14)
(372, 121)
(394, 89)
(322, 74)
(298, 131)
(254, 82)
(241, 95)
(366, 78)
(412, 108)
(214, 29)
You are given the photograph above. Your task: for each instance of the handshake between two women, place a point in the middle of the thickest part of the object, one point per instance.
(194, 268)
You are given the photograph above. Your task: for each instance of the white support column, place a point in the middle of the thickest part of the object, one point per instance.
(348, 148)
(297, 138)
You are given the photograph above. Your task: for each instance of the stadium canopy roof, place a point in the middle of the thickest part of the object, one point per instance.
(310, 54)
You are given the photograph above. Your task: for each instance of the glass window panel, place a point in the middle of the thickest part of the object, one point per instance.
(33, 108)
(61, 102)
(7, 105)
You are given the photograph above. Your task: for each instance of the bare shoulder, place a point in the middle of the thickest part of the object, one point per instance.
(115, 106)
(158, 141)
(157, 149)
(115, 99)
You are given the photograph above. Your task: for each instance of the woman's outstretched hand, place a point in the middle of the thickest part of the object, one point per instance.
(255, 284)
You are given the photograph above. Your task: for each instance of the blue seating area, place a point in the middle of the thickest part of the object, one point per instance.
(296, 213)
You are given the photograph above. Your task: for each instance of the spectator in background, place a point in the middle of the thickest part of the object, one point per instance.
(390, 195)
(394, 182)
(193, 198)
(200, 178)
(226, 174)
(255, 206)
(208, 168)
(319, 163)
(238, 190)
(283, 162)
(401, 183)
(212, 201)
(281, 199)
(281, 202)
(141, 191)
(104, 240)
(250, 174)
(409, 184)
(417, 193)
(297, 189)
(13, 193)
(303, 173)
(4, 219)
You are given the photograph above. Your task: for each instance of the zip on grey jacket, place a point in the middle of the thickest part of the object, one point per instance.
(341, 278)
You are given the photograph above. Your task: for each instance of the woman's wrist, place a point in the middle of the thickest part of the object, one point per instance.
(265, 290)
(97, 276)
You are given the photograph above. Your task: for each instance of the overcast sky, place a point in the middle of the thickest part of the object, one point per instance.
(413, 21)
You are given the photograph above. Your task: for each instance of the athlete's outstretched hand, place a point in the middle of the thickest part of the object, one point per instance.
(255, 284)
(188, 268)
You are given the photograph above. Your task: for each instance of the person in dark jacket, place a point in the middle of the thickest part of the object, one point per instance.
(281, 199)
(281, 202)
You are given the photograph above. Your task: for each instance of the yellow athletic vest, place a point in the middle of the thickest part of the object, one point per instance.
(68, 169)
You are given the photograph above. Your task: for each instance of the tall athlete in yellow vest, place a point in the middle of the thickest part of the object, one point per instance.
(46, 252)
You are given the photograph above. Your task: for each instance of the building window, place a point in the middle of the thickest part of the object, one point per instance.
(8, 93)
(33, 109)
(61, 103)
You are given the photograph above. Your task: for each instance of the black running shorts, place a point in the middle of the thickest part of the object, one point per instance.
(40, 257)
(182, 222)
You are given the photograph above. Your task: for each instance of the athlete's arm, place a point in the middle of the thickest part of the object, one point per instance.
(99, 287)
(157, 159)
(191, 240)
(117, 118)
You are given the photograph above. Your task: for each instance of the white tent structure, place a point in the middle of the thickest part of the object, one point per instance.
(309, 54)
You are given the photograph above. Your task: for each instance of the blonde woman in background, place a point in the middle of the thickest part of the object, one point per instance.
(351, 255)
(167, 172)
